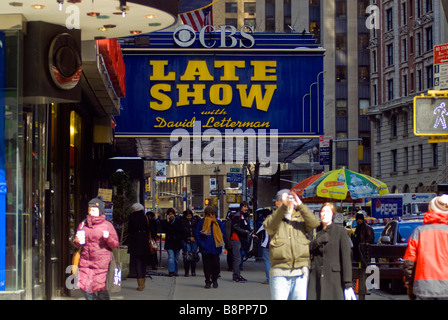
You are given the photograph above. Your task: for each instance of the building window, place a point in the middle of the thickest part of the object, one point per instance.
(341, 107)
(231, 7)
(403, 13)
(412, 82)
(389, 19)
(406, 158)
(405, 124)
(429, 42)
(394, 126)
(232, 22)
(250, 7)
(394, 161)
(405, 85)
(378, 131)
(378, 164)
(390, 89)
(374, 61)
(411, 44)
(420, 156)
(419, 80)
(428, 5)
(286, 15)
(429, 77)
(390, 55)
(375, 95)
(250, 22)
(341, 73)
(404, 50)
(419, 8)
(364, 74)
(435, 154)
(419, 44)
(270, 15)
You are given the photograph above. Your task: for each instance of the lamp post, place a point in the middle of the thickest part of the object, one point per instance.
(216, 171)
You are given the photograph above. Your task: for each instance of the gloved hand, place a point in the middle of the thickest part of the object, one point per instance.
(349, 294)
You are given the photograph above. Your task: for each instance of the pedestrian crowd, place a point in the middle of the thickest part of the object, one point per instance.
(306, 257)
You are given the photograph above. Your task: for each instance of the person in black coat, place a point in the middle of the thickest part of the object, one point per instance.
(153, 229)
(173, 241)
(138, 239)
(190, 246)
(331, 267)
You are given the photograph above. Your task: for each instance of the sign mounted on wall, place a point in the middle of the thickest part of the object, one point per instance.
(237, 80)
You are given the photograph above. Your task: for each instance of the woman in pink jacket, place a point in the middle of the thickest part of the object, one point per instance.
(97, 238)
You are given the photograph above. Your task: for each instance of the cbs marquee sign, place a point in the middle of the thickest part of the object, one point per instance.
(223, 79)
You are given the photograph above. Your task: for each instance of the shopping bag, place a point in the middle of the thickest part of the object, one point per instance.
(113, 281)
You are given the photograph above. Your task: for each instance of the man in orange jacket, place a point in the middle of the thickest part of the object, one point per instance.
(426, 257)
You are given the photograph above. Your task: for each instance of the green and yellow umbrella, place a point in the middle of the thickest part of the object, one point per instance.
(344, 184)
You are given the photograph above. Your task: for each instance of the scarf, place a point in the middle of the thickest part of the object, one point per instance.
(217, 234)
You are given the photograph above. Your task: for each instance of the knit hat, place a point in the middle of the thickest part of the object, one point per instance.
(280, 193)
(137, 207)
(98, 203)
(439, 204)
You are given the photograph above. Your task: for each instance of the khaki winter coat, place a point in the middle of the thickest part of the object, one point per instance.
(289, 246)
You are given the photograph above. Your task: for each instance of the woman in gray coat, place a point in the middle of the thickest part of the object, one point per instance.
(331, 266)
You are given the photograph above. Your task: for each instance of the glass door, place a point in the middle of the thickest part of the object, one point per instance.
(35, 123)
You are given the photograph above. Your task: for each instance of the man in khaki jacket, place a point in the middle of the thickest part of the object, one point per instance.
(289, 246)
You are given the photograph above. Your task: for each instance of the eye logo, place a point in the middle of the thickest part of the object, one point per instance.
(184, 36)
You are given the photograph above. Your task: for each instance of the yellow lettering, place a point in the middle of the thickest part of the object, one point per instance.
(261, 70)
(161, 121)
(165, 101)
(221, 99)
(262, 102)
(229, 69)
(197, 94)
(158, 71)
(196, 68)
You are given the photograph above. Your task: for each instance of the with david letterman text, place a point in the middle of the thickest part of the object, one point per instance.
(226, 309)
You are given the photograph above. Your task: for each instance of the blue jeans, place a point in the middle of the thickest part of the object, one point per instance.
(289, 288)
(267, 262)
(173, 261)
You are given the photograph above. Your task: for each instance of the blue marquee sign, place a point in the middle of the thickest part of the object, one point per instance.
(262, 87)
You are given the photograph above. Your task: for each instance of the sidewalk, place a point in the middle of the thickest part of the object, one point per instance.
(162, 287)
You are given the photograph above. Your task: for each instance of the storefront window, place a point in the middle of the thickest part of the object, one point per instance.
(11, 197)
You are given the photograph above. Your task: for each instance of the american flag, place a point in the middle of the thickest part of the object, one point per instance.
(197, 19)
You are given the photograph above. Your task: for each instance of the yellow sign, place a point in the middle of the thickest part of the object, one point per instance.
(106, 194)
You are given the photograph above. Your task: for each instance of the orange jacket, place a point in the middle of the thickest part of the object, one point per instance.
(426, 257)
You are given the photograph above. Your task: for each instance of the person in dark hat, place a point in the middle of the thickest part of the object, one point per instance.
(363, 235)
(98, 238)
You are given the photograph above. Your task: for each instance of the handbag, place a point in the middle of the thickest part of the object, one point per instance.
(77, 255)
(75, 260)
(152, 243)
(113, 280)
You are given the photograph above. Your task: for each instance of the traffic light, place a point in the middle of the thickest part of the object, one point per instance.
(431, 113)
(207, 201)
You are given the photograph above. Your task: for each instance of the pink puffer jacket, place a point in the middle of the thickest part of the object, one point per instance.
(95, 254)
